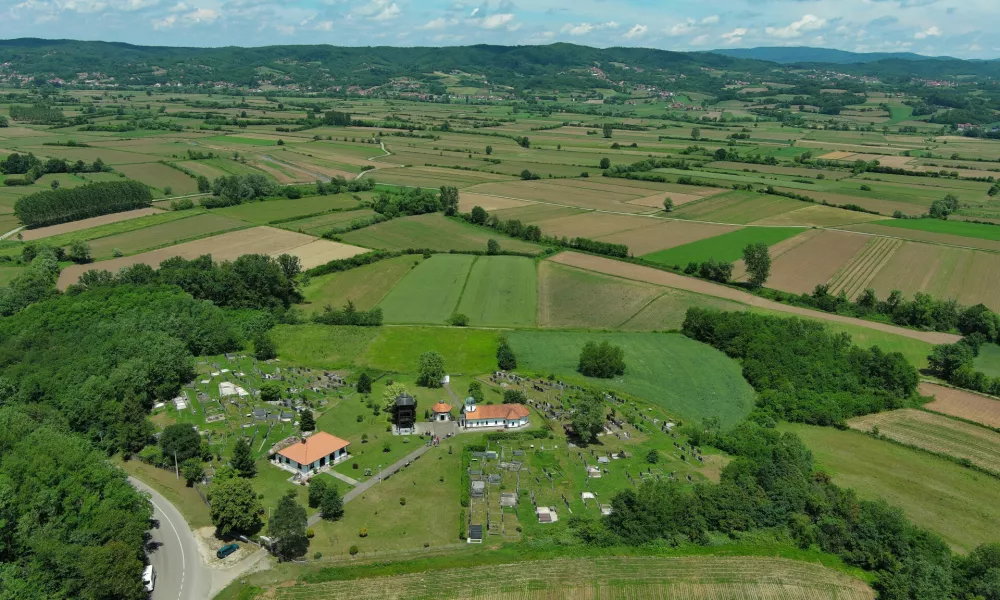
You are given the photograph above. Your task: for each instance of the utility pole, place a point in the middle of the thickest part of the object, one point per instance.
(177, 473)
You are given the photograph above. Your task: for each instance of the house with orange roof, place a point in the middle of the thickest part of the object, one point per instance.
(497, 416)
(308, 454)
(441, 411)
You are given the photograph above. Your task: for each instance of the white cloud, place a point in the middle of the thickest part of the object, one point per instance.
(932, 31)
(682, 28)
(734, 36)
(474, 12)
(202, 15)
(138, 4)
(165, 23)
(285, 29)
(793, 30)
(439, 23)
(637, 31)
(700, 40)
(710, 20)
(585, 28)
(388, 13)
(496, 21)
(324, 26)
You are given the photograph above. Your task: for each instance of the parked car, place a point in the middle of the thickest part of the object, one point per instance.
(148, 578)
(227, 550)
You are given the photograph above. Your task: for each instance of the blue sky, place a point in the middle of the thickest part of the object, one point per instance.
(937, 27)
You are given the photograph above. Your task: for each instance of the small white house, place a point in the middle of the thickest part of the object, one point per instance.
(441, 411)
(506, 416)
(313, 453)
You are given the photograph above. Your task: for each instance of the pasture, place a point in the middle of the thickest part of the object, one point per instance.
(685, 378)
(955, 502)
(364, 286)
(727, 247)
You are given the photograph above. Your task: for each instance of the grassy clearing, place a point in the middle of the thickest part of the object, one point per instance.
(365, 286)
(688, 379)
(609, 578)
(430, 292)
(727, 247)
(434, 231)
(957, 503)
(936, 433)
(322, 346)
(501, 291)
(988, 360)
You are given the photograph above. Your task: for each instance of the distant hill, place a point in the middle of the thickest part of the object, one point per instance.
(804, 54)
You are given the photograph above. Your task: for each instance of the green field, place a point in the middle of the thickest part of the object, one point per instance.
(501, 291)
(688, 379)
(430, 292)
(365, 286)
(957, 503)
(727, 247)
(962, 228)
(275, 209)
(988, 360)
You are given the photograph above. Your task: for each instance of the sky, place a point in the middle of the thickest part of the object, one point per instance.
(932, 27)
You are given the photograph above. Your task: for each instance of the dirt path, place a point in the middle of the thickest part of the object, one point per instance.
(691, 284)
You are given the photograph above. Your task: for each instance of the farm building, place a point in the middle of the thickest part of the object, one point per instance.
(506, 416)
(312, 453)
(441, 411)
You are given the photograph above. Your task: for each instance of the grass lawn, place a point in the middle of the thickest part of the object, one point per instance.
(365, 286)
(688, 379)
(272, 483)
(430, 292)
(963, 228)
(727, 247)
(957, 503)
(322, 346)
(501, 291)
(430, 487)
(988, 360)
(187, 501)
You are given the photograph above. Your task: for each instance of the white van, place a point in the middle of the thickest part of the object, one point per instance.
(149, 578)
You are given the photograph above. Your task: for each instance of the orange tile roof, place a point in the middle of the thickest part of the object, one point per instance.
(314, 447)
(441, 407)
(511, 412)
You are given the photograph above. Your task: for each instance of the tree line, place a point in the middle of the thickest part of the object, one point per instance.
(33, 168)
(51, 207)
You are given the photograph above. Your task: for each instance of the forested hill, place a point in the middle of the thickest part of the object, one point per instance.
(805, 54)
(322, 66)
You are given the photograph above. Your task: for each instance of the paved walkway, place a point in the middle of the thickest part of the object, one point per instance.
(362, 487)
(343, 478)
(636, 272)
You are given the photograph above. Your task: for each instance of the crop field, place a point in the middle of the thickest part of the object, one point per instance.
(431, 177)
(955, 233)
(857, 273)
(573, 298)
(228, 246)
(430, 292)
(433, 231)
(737, 207)
(163, 234)
(727, 247)
(687, 379)
(262, 213)
(955, 502)
(811, 261)
(161, 177)
(62, 228)
(969, 276)
(936, 433)
(562, 193)
(593, 225)
(962, 404)
(611, 578)
(320, 224)
(817, 215)
(660, 234)
(466, 202)
(501, 291)
(365, 286)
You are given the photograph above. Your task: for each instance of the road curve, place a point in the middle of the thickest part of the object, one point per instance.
(180, 574)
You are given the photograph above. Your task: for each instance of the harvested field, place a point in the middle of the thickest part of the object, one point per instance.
(884, 207)
(537, 214)
(571, 297)
(607, 578)
(566, 194)
(466, 202)
(662, 234)
(44, 232)
(163, 234)
(434, 177)
(593, 225)
(938, 434)
(968, 276)
(228, 246)
(813, 261)
(857, 274)
(836, 155)
(818, 216)
(962, 404)
(434, 231)
(650, 275)
(656, 201)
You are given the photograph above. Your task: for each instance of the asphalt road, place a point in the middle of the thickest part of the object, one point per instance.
(180, 574)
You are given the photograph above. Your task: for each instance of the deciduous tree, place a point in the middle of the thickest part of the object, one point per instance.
(234, 507)
(430, 370)
(758, 263)
(242, 459)
(288, 527)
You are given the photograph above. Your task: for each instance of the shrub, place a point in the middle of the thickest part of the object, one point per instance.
(363, 532)
(459, 320)
(317, 556)
(402, 501)
(354, 549)
(310, 533)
